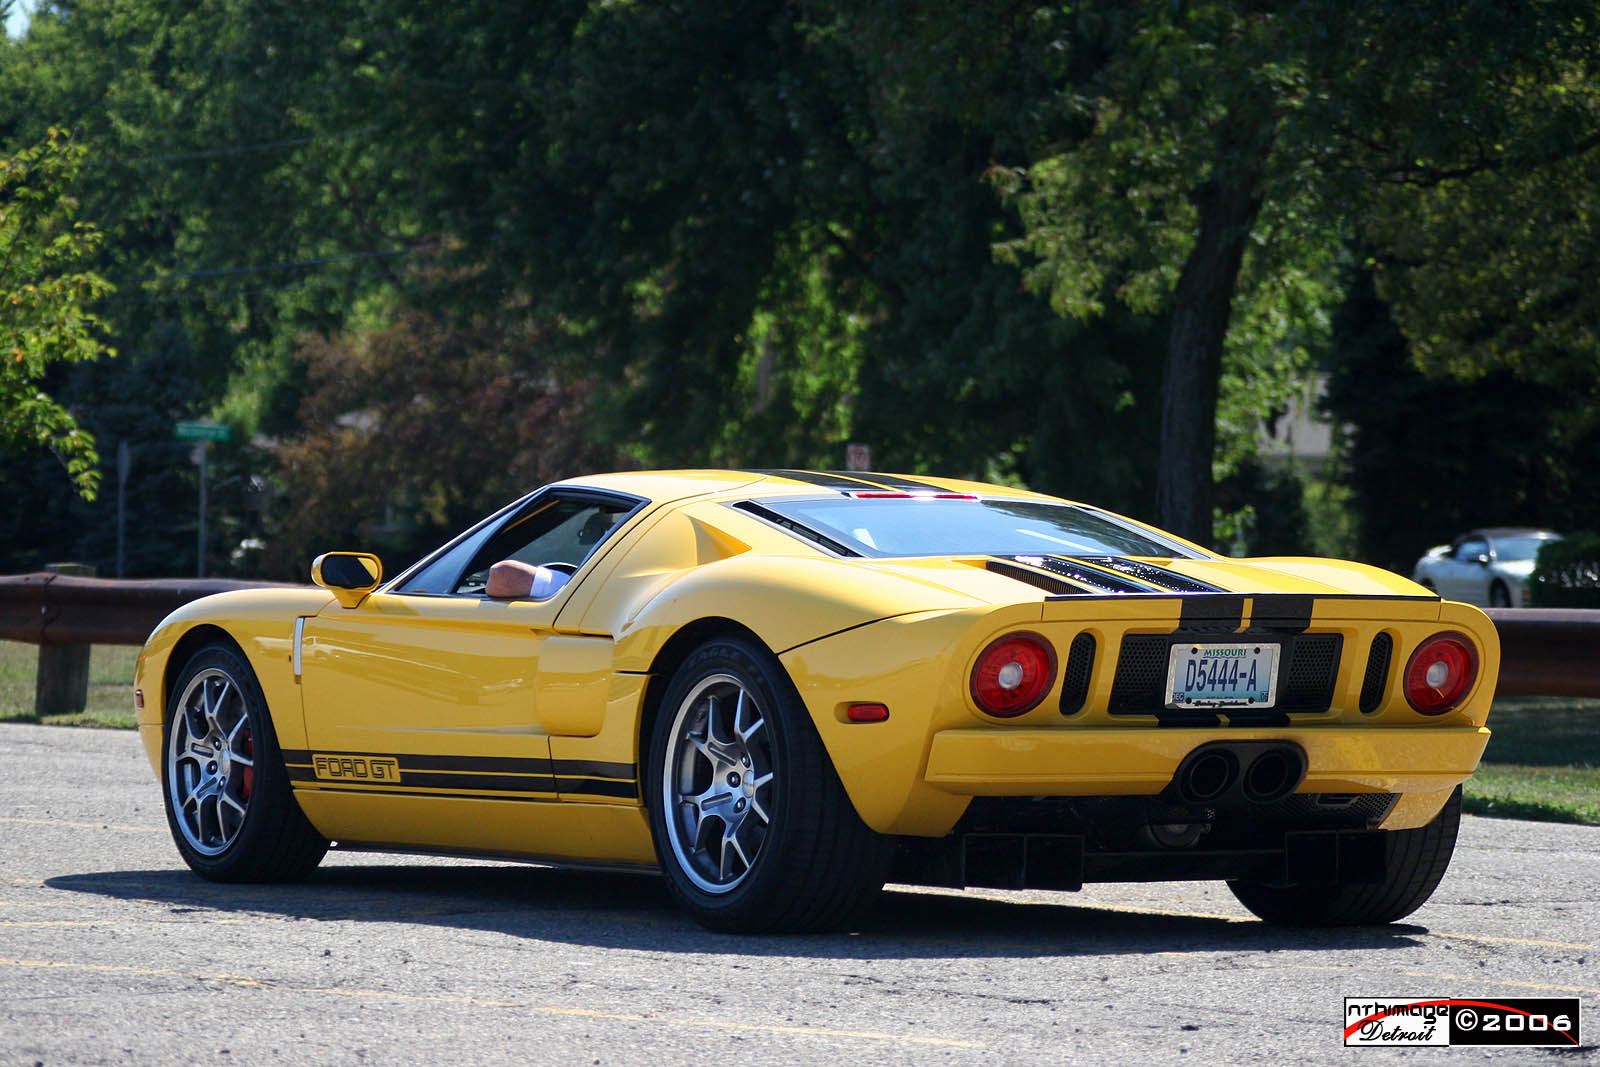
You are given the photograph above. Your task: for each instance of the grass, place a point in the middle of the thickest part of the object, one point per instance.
(110, 703)
(1543, 761)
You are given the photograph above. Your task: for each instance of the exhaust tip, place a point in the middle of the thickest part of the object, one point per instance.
(1273, 774)
(1208, 775)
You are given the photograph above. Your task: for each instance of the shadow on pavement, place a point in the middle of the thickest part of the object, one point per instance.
(631, 911)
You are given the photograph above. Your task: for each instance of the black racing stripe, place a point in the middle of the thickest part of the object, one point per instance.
(1201, 612)
(501, 774)
(591, 788)
(493, 783)
(477, 764)
(379, 791)
(889, 481)
(1288, 613)
(417, 762)
(844, 483)
(586, 768)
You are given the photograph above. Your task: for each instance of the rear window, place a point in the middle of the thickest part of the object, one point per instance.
(913, 526)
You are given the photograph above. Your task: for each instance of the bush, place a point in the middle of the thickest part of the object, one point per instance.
(1567, 573)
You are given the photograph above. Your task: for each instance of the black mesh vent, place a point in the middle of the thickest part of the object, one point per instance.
(1312, 669)
(1141, 675)
(1307, 673)
(1157, 576)
(1377, 673)
(1053, 586)
(1085, 575)
(1075, 677)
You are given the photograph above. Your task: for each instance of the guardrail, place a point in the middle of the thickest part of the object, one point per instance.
(64, 615)
(1543, 651)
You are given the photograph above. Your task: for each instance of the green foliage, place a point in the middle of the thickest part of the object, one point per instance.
(1426, 459)
(1225, 145)
(414, 431)
(1567, 573)
(754, 232)
(44, 303)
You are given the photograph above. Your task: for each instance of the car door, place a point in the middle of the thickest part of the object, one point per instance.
(430, 688)
(1464, 576)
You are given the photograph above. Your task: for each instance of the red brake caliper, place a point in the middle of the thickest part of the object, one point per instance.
(249, 750)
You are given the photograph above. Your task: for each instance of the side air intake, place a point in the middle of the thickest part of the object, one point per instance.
(1077, 673)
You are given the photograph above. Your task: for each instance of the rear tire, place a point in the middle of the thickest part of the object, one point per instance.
(752, 828)
(229, 804)
(1417, 860)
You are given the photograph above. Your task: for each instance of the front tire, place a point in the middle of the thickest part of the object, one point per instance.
(752, 828)
(1417, 860)
(1499, 595)
(229, 805)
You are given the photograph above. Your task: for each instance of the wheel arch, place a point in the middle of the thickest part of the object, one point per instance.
(187, 647)
(670, 656)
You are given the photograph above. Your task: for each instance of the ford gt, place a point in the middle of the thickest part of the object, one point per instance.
(781, 689)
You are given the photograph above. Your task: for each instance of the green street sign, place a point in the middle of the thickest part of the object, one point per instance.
(202, 431)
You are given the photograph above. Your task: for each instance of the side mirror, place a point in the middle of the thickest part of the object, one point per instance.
(1481, 560)
(349, 576)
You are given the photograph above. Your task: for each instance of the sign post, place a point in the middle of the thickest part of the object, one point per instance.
(202, 434)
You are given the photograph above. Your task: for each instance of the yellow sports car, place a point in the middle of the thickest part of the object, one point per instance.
(783, 688)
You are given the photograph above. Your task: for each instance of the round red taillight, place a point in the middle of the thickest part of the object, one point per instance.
(1440, 672)
(1013, 674)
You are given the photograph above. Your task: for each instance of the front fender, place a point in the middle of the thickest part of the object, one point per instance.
(261, 623)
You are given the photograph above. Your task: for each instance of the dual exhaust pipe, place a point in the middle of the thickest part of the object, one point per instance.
(1228, 773)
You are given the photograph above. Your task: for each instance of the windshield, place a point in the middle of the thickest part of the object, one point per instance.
(912, 526)
(1513, 548)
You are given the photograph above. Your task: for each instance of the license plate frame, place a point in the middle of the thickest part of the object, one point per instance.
(1215, 674)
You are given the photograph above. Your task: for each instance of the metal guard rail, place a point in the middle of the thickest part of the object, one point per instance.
(1543, 651)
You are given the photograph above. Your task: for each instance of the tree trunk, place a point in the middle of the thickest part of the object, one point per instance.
(1202, 302)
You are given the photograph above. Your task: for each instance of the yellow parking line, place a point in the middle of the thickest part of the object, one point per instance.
(1515, 941)
(543, 1009)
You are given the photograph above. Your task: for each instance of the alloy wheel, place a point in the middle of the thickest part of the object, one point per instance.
(211, 761)
(717, 787)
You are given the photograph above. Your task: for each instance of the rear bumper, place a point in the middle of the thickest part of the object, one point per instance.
(1113, 761)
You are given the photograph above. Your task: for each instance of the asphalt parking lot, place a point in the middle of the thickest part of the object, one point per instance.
(112, 952)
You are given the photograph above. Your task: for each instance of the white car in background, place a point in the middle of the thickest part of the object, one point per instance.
(1488, 567)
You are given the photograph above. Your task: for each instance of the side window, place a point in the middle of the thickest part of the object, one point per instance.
(558, 532)
(1469, 551)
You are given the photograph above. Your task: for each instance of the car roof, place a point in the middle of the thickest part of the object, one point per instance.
(1492, 532)
(661, 485)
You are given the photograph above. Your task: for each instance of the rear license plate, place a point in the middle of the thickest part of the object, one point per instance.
(1222, 675)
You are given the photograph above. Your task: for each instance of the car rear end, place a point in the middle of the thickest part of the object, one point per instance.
(1068, 740)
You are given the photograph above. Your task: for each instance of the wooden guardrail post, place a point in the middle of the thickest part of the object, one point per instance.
(62, 684)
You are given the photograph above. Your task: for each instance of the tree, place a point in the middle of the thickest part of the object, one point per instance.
(415, 430)
(1230, 139)
(1428, 458)
(44, 303)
